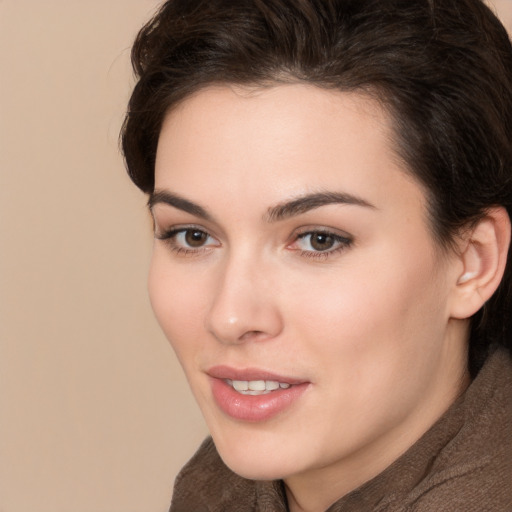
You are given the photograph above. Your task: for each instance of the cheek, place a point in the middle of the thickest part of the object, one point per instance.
(178, 301)
(369, 341)
(378, 310)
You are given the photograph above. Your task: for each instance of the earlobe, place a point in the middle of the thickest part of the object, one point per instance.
(483, 258)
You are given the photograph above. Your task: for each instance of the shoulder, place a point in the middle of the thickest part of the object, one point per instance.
(476, 491)
(473, 473)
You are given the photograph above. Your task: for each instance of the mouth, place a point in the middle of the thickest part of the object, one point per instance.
(256, 387)
(254, 395)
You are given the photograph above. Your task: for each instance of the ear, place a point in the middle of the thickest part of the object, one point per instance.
(483, 257)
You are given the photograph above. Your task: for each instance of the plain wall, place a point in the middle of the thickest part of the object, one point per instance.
(95, 415)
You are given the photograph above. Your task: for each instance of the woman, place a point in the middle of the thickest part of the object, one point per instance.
(330, 183)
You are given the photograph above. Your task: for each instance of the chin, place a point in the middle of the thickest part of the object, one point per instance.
(256, 461)
(263, 469)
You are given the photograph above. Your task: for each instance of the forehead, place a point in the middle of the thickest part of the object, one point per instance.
(285, 112)
(280, 141)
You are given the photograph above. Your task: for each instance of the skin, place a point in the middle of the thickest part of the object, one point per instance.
(369, 323)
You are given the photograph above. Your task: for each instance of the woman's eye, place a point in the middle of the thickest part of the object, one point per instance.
(188, 240)
(320, 243)
(193, 237)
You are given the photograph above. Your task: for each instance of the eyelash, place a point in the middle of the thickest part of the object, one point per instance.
(343, 242)
(169, 237)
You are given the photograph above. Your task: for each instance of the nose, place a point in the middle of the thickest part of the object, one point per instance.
(244, 306)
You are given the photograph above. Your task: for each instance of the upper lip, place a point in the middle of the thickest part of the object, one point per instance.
(248, 374)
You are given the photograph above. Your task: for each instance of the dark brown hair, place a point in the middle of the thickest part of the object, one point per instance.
(442, 68)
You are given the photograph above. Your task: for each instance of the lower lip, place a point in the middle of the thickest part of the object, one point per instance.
(254, 407)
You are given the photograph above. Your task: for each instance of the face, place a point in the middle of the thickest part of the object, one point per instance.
(295, 274)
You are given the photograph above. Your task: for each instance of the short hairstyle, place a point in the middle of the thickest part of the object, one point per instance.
(441, 68)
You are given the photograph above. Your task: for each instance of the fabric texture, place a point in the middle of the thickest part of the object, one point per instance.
(462, 464)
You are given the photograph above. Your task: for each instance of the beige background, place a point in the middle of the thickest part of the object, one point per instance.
(95, 415)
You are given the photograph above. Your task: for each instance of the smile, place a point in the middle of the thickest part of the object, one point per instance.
(256, 387)
(252, 394)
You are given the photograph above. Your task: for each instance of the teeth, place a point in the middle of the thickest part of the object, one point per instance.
(257, 387)
(271, 385)
(240, 385)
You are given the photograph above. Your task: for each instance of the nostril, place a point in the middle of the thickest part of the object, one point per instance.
(251, 335)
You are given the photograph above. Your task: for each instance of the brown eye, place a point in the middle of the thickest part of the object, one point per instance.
(188, 241)
(321, 241)
(195, 237)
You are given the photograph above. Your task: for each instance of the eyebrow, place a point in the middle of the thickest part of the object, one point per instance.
(291, 208)
(161, 196)
(309, 202)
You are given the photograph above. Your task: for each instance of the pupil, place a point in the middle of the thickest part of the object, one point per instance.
(195, 238)
(321, 242)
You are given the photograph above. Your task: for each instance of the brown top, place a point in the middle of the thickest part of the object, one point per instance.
(462, 464)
